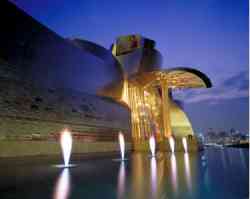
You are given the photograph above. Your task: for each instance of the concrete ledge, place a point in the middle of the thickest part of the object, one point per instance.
(38, 148)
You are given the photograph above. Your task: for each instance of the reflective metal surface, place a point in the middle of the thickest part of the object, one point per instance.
(147, 89)
(180, 77)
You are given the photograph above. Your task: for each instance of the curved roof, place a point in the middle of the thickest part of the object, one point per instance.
(179, 77)
(179, 121)
(98, 51)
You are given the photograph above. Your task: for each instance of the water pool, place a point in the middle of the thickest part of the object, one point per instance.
(213, 173)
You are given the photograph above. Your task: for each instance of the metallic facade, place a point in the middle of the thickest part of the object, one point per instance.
(48, 83)
(129, 73)
(147, 89)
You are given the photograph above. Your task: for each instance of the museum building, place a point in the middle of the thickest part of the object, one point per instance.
(48, 83)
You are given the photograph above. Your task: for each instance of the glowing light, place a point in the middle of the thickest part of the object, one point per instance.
(122, 145)
(174, 173)
(184, 143)
(187, 171)
(171, 144)
(62, 188)
(146, 93)
(66, 146)
(121, 181)
(152, 145)
(153, 177)
(125, 92)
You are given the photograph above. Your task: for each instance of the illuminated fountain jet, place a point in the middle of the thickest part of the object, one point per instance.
(122, 147)
(66, 147)
(152, 145)
(171, 144)
(184, 143)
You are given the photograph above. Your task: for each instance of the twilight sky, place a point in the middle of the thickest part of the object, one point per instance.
(209, 35)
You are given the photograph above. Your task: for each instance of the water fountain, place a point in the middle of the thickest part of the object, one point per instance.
(152, 145)
(66, 147)
(122, 147)
(184, 143)
(171, 143)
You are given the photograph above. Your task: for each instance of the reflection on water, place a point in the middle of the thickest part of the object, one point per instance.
(223, 159)
(230, 158)
(62, 188)
(121, 181)
(167, 176)
(148, 176)
(174, 176)
(187, 171)
(243, 159)
(153, 177)
(139, 175)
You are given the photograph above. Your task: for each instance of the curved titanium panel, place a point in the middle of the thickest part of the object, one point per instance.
(50, 61)
(180, 123)
(196, 72)
(180, 77)
(100, 52)
(140, 60)
(114, 87)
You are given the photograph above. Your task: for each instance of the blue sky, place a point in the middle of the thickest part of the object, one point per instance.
(209, 35)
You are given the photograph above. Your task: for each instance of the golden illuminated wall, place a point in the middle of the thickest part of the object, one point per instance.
(146, 89)
(180, 123)
(147, 116)
(145, 110)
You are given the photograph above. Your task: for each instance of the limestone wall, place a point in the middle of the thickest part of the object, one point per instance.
(27, 110)
(41, 148)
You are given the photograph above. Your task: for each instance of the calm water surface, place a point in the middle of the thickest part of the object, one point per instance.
(213, 173)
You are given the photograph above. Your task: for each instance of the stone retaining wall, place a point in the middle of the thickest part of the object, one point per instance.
(37, 148)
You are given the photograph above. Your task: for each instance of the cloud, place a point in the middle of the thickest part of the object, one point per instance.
(233, 87)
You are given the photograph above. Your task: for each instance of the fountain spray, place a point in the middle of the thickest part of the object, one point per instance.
(171, 143)
(66, 147)
(121, 141)
(122, 145)
(184, 143)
